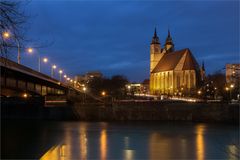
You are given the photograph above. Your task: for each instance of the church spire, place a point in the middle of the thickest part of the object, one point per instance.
(169, 46)
(169, 38)
(155, 32)
(169, 33)
(155, 39)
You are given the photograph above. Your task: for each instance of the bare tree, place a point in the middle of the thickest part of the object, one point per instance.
(12, 19)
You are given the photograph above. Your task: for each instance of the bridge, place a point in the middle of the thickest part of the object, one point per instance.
(20, 81)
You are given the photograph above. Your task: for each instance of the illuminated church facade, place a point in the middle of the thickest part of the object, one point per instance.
(173, 72)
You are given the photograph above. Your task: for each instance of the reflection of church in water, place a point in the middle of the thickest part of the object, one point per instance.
(173, 71)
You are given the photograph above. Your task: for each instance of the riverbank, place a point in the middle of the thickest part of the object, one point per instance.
(160, 111)
(131, 111)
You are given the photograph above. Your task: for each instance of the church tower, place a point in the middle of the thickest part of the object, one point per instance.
(155, 51)
(169, 46)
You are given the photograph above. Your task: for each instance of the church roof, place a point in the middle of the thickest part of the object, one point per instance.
(170, 61)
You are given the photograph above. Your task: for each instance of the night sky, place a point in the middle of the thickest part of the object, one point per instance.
(115, 37)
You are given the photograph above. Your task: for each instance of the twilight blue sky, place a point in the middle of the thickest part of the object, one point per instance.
(114, 36)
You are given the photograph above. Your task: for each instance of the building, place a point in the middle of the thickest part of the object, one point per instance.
(173, 72)
(232, 73)
(138, 88)
(88, 76)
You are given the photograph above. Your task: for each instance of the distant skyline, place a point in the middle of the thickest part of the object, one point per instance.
(114, 37)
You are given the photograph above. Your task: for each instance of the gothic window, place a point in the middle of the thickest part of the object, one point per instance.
(178, 81)
(191, 80)
(187, 81)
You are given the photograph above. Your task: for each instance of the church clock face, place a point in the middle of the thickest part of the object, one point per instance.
(156, 49)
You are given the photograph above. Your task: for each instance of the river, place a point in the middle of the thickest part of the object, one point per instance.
(60, 140)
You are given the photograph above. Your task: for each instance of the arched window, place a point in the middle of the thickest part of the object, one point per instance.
(187, 80)
(191, 80)
(178, 81)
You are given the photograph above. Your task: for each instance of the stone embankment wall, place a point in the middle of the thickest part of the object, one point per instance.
(169, 111)
(126, 111)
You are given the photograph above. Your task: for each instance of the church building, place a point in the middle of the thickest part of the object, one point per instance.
(173, 72)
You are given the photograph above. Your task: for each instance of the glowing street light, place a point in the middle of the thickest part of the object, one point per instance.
(52, 70)
(84, 90)
(103, 93)
(199, 92)
(25, 95)
(6, 35)
(65, 76)
(227, 89)
(30, 50)
(231, 87)
(45, 60)
(60, 74)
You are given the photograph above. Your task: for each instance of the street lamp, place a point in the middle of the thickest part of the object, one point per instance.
(7, 35)
(30, 50)
(231, 87)
(103, 93)
(199, 92)
(45, 60)
(227, 89)
(60, 74)
(52, 70)
(84, 97)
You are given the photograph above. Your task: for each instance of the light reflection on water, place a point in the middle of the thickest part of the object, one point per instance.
(85, 140)
(103, 144)
(200, 145)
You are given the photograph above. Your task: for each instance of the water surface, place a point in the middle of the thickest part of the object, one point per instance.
(136, 140)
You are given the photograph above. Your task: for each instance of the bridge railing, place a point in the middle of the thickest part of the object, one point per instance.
(21, 68)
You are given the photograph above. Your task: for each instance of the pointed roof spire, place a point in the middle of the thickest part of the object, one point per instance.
(155, 32)
(169, 35)
(155, 39)
(169, 38)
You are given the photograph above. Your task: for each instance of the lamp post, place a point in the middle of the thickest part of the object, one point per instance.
(103, 94)
(231, 88)
(84, 90)
(227, 89)
(60, 74)
(52, 70)
(65, 77)
(6, 35)
(45, 60)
